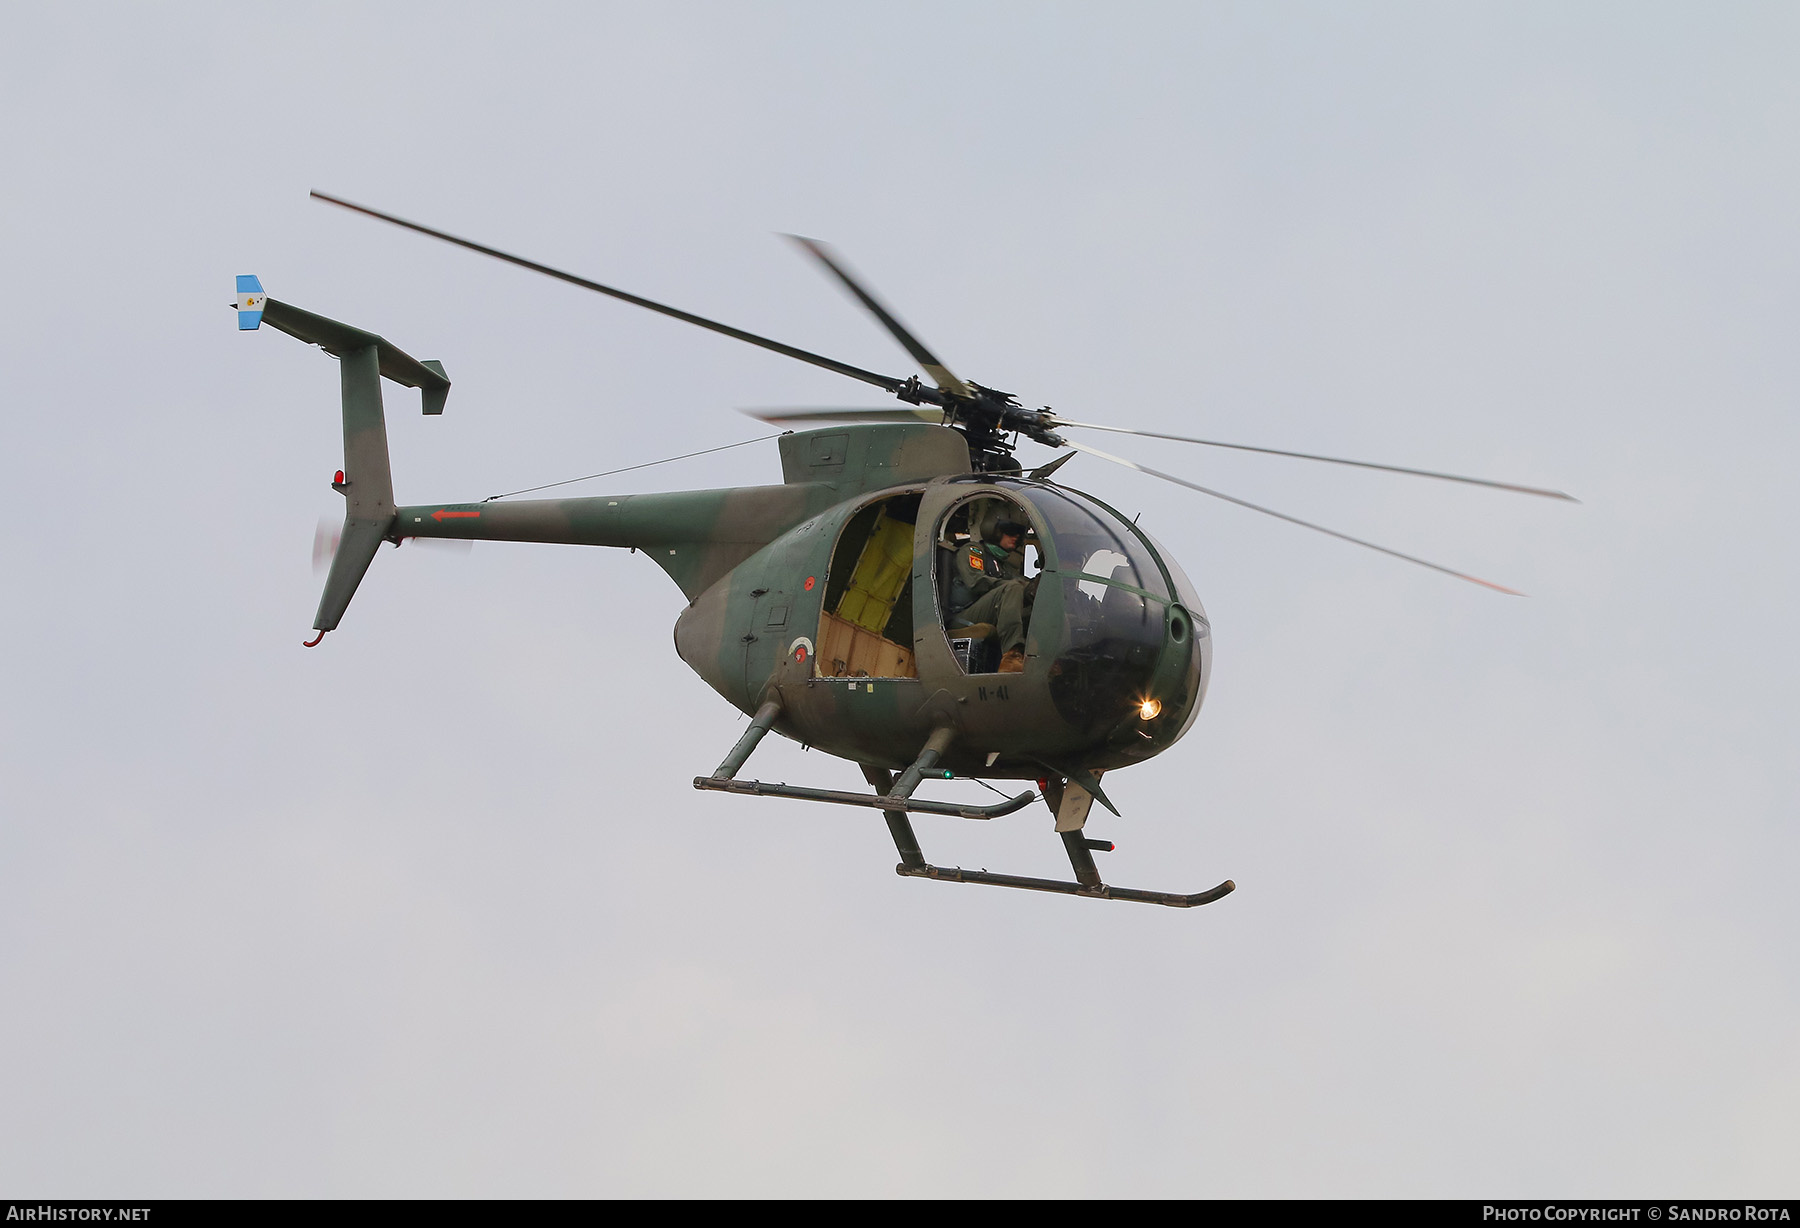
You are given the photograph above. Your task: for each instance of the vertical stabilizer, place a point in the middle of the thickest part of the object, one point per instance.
(367, 484)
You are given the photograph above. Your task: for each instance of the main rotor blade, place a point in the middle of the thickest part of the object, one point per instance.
(939, 373)
(1334, 460)
(887, 382)
(1305, 524)
(782, 417)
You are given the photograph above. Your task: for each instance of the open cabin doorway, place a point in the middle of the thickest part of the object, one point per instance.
(866, 626)
(971, 531)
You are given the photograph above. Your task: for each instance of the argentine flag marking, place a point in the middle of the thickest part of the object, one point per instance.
(249, 301)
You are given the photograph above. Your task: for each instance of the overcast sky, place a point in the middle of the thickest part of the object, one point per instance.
(433, 909)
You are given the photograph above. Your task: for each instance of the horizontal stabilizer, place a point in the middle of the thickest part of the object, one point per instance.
(254, 307)
(338, 339)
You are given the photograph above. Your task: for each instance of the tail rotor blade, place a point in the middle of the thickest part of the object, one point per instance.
(326, 537)
(940, 375)
(1305, 524)
(1331, 460)
(330, 534)
(443, 545)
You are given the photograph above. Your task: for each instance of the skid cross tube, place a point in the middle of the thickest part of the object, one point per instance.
(906, 841)
(935, 746)
(759, 725)
(1081, 858)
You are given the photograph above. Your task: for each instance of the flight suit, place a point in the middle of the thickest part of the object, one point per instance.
(989, 586)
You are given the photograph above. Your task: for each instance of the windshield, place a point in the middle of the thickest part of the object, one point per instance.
(1091, 541)
(1113, 603)
(1185, 593)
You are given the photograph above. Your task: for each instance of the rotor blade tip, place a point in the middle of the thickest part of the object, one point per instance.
(1499, 588)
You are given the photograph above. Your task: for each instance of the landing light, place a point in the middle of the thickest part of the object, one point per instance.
(1149, 709)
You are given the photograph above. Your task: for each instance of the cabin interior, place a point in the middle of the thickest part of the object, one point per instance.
(866, 627)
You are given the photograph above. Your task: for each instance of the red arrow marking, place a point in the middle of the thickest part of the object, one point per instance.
(441, 515)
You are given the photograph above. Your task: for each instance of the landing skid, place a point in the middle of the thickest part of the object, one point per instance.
(873, 801)
(1101, 891)
(894, 798)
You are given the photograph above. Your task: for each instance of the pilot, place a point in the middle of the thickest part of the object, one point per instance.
(989, 586)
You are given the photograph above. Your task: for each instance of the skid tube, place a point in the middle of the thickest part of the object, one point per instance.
(1102, 891)
(757, 788)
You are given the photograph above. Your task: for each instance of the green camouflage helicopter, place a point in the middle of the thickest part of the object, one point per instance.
(834, 608)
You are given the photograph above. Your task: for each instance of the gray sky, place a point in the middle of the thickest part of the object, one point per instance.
(433, 910)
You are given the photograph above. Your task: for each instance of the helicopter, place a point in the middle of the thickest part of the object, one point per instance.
(827, 608)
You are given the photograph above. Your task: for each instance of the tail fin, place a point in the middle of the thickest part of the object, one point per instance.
(366, 482)
(249, 302)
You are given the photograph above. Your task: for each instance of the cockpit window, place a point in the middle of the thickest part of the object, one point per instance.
(1112, 594)
(1089, 540)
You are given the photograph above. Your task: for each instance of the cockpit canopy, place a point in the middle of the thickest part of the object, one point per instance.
(1114, 596)
(1100, 601)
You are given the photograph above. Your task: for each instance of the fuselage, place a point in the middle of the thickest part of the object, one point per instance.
(830, 596)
